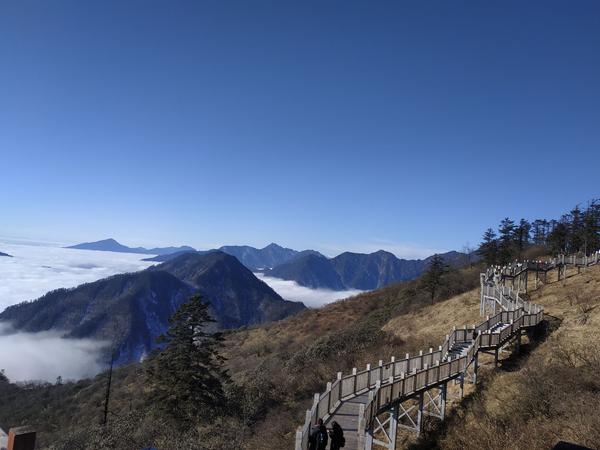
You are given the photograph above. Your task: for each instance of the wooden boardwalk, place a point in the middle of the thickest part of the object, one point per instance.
(371, 404)
(346, 414)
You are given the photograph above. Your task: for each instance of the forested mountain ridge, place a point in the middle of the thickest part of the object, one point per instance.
(129, 311)
(310, 270)
(126, 311)
(359, 270)
(237, 296)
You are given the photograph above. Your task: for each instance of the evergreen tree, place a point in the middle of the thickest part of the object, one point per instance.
(575, 229)
(489, 247)
(3, 377)
(591, 227)
(558, 238)
(505, 241)
(539, 227)
(186, 377)
(521, 236)
(432, 279)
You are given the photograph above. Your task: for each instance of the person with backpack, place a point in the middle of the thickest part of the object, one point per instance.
(337, 436)
(312, 438)
(322, 436)
(318, 437)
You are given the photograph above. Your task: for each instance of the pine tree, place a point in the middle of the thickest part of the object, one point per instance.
(575, 229)
(593, 227)
(186, 377)
(521, 236)
(505, 241)
(539, 231)
(432, 279)
(489, 247)
(558, 238)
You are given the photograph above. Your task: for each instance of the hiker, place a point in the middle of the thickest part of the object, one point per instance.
(337, 436)
(318, 437)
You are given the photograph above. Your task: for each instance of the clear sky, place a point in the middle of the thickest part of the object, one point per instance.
(409, 126)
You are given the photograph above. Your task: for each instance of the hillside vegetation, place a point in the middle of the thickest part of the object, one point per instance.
(276, 368)
(547, 394)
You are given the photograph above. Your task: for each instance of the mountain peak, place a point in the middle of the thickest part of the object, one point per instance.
(111, 245)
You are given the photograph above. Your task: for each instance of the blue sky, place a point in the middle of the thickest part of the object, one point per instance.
(409, 126)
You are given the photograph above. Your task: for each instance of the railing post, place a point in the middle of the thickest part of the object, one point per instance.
(316, 399)
(298, 445)
(394, 413)
(444, 393)
(339, 378)
(420, 415)
(393, 362)
(369, 376)
(361, 427)
(354, 382)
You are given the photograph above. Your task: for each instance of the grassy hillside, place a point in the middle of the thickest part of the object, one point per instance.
(547, 394)
(276, 369)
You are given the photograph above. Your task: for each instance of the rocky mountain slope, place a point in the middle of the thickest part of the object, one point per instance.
(129, 311)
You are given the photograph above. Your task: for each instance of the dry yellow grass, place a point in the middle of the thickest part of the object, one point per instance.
(550, 395)
(428, 326)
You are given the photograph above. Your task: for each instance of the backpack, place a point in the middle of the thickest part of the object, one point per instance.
(342, 441)
(322, 439)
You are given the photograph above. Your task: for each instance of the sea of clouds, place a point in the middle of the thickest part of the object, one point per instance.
(312, 298)
(35, 269)
(46, 356)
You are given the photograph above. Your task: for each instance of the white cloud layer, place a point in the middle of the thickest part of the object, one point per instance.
(312, 298)
(36, 269)
(45, 356)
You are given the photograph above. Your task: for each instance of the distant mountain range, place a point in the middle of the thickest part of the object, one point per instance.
(357, 270)
(5, 254)
(131, 310)
(255, 259)
(110, 245)
(308, 267)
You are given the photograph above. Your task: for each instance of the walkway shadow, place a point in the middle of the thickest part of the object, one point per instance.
(435, 429)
